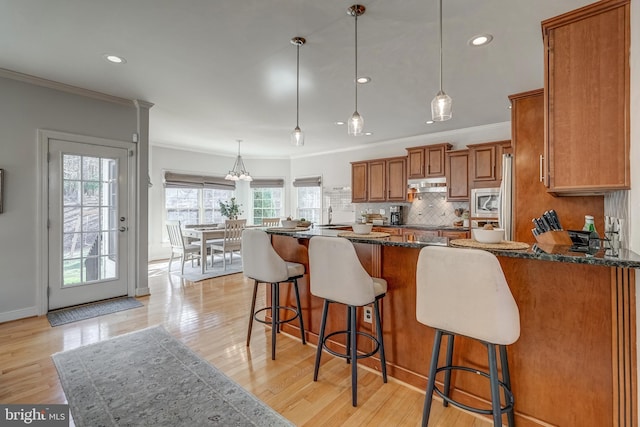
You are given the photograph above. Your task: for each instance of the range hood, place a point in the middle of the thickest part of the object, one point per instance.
(427, 185)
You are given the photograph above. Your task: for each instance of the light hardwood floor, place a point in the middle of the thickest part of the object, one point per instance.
(211, 318)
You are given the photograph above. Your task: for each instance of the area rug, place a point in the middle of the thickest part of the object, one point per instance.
(87, 311)
(149, 378)
(194, 273)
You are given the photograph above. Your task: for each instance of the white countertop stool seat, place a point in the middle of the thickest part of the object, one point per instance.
(464, 292)
(262, 263)
(338, 276)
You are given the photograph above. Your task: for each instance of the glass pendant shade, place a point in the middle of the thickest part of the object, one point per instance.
(356, 124)
(297, 137)
(441, 107)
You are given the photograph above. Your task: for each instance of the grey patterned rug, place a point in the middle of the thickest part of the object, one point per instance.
(149, 378)
(87, 311)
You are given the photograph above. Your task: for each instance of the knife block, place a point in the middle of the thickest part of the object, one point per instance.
(555, 237)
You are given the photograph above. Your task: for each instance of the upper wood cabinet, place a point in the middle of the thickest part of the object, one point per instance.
(359, 182)
(457, 167)
(396, 179)
(587, 99)
(380, 180)
(486, 163)
(530, 196)
(427, 161)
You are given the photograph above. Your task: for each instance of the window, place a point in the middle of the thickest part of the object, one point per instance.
(309, 193)
(266, 199)
(194, 199)
(195, 205)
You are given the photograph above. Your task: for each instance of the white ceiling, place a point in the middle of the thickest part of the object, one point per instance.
(218, 71)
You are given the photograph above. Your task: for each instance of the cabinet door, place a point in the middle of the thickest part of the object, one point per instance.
(530, 196)
(484, 163)
(397, 179)
(451, 234)
(377, 181)
(435, 161)
(394, 231)
(416, 163)
(359, 182)
(587, 87)
(457, 175)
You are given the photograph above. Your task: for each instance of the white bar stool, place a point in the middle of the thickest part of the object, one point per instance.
(338, 276)
(261, 262)
(464, 292)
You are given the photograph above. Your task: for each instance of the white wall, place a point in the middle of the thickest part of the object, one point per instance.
(25, 108)
(175, 160)
(335, 167)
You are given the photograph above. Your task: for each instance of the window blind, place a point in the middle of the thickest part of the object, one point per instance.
(181, 180)
(267, 183)
(313, 181)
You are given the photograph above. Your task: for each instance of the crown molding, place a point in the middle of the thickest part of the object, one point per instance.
(38, 81)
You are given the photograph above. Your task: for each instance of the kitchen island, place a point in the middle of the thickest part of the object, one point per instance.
(575, 361)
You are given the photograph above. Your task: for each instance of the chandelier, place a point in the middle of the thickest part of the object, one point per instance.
(239, 172)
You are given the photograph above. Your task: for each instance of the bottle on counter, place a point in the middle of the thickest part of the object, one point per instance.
(594, 237)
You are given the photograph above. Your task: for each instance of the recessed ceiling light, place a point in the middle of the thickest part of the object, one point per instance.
(481, 40)
(364, 80)
(429, 122)
(338, 123)
(368, 133)
(114, 59)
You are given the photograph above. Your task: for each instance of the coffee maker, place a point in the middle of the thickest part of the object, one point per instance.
(396, 214)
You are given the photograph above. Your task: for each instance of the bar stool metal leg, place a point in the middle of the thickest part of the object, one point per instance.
(354, 356)
(506, 379)
(431, 381)
(348, 339)
(383, 361)
(447, 373)
(323, 323)
(252, 312)
(295, 288)
(495, 385)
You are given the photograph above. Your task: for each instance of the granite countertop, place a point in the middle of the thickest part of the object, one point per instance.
(626, 258)
(411, 226)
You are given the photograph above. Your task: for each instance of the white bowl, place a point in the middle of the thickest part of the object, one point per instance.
(362, 228)
(488, 236)
(289, 223)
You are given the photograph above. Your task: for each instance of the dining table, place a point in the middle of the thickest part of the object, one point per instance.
(203, 234)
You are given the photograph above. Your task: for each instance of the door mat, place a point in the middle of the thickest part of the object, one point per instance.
(149, 378)
(82, 312)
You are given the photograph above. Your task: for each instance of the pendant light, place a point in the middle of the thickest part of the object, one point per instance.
(238, 172)
(441, 104)
(356, 121)
(297, 136)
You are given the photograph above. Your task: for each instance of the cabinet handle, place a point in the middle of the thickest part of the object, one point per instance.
(541, 168)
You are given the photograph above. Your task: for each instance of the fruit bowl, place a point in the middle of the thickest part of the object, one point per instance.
(488, 236)
(362, 228)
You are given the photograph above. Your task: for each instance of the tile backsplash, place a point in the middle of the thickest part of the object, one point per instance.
(426, 209)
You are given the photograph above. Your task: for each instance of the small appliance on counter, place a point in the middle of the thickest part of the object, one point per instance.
(396, 215)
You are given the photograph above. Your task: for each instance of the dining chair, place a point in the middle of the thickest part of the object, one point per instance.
(180, 246)
(231, 242)
(270, 222)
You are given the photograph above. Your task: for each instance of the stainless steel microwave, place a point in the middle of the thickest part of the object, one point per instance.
(485, 202)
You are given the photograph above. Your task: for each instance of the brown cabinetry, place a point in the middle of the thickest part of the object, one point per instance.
(530, 196)
(453, 234)
(486, 163)
(380, 180)
(394, 231)
(457, 167)
(427, 161)
(587, 99)
(359, 182)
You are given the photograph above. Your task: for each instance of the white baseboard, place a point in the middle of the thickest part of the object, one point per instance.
(8, 316)
(141, 292)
